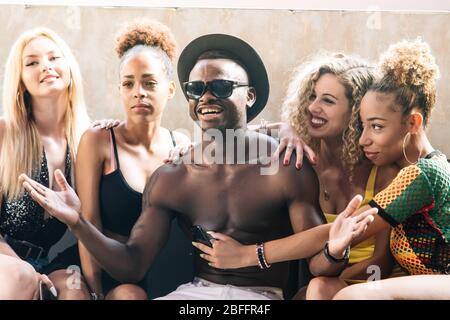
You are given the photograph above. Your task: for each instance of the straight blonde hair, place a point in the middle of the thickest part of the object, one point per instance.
(21, 150)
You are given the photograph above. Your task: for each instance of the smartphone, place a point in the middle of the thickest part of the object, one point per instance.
(200, 235)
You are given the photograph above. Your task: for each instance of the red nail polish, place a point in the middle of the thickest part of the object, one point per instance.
(285, 162)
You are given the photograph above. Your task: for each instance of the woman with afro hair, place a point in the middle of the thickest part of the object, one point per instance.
(395, 113)
(113, 165)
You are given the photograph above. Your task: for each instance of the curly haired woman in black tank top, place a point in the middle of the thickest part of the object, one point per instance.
(114, 165)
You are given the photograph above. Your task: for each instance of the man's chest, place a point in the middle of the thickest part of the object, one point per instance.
(231, 198)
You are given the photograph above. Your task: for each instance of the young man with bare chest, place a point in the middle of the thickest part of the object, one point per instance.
(224, 185)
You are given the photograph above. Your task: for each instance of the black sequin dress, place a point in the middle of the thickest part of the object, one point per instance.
(24, 219)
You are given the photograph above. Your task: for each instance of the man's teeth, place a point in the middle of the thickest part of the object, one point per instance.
(204, 111)
(317, 121)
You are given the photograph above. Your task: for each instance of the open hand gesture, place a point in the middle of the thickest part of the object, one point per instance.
(63, 205)
(347, 227)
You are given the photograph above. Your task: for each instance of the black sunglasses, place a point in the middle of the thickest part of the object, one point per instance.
(219, 88)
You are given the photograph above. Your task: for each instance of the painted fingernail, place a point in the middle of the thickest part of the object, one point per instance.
(53, 291)
(285, 162)
(298, 166)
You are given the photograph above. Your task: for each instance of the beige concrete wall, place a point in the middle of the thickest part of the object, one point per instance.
(282, 37)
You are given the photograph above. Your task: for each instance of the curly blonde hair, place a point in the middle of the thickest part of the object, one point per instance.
(354, 74)
(409, 70)
(147, 35)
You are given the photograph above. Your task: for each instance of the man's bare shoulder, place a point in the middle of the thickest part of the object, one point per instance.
(163, 182)
(297, 179)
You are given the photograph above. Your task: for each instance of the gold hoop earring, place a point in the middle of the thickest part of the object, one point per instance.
(404, 150)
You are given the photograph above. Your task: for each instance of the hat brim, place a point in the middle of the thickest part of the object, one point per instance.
(241, 50)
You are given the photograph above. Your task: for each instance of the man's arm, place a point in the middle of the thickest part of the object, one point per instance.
(129, 262)
(125, 262)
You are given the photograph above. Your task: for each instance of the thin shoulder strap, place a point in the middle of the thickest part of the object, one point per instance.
(173, 138)
(114, 147)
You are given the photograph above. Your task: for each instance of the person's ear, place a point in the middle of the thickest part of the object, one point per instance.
(172, 88)
(251, 97)
(415, 122)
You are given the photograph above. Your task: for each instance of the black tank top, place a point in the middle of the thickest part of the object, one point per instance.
(120, 205)
(23, 218)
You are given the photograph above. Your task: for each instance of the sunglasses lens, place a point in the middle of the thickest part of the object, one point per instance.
(222, 88)
(195, 89)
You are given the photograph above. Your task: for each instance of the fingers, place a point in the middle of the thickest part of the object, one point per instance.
(299, 152)
(42, 200)
(207, 257)
(218, 235)
(105, 123)
(279, 150)
(203, 248)
(310, 154)
(115, 123)
(288, 154)
(176, 153)
(32, 185)
(365, 214)
(61, 180)
(360, 229)
(352, 206)
(49, 284)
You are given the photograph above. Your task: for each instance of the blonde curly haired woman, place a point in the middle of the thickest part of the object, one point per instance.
(44, 117)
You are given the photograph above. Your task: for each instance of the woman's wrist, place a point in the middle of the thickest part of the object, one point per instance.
(75, 226)
(336, 252)
(250, 258)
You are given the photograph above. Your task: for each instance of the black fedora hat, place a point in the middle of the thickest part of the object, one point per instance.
(238, 48)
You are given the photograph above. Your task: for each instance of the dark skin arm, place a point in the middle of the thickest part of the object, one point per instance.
(309, 239)
(229, 253)
(126, 262)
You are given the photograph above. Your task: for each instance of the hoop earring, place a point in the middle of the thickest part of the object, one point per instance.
(404, 150)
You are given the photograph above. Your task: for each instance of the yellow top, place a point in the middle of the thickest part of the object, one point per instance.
(363, 250)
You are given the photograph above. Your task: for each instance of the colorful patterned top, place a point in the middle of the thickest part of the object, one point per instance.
(417, 205)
